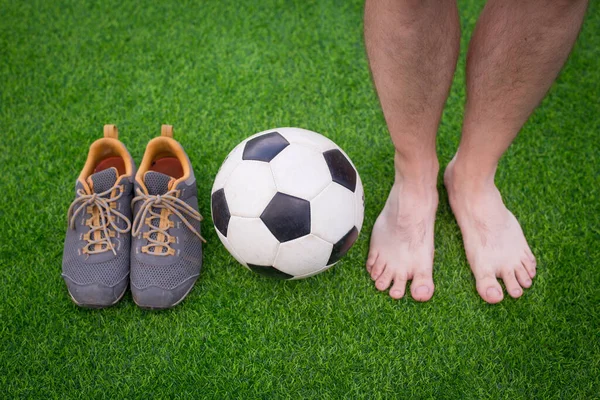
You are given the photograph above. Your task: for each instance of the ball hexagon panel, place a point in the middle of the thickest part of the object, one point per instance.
(287, 217)
(359, 199)
(264, 147)
(341, 247)
(229, 164)
(249, 189)
(307, 138)
(342, 170)
(252, 241)
(300, 171)
(220, 211)
(230, 249)
(333, 213)
(300, 256)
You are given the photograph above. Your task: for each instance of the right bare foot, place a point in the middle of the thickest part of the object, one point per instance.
(402, 242)
(494, 242)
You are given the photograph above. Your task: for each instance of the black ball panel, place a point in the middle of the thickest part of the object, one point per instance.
(287, 217)
(264, 147)
(343, 245)
(269, 271)
(341, 169)
(220, 211)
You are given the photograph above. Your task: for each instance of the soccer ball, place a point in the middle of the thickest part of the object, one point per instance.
(287, 203)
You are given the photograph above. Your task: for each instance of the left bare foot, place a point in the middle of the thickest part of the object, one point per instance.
(494, 241)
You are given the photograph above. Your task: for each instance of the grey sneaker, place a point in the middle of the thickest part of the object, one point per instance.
(166, 252)
(95, 263)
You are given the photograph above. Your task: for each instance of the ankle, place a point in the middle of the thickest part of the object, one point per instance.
(415, 172)
(465, 176)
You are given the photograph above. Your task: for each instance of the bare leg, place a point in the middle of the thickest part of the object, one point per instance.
(412, 48)
(516, 52)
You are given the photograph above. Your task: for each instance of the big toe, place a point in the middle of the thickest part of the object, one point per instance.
(422, 287)
(489, 289)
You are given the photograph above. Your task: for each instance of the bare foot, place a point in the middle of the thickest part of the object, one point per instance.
(402, 242)
(493, 239)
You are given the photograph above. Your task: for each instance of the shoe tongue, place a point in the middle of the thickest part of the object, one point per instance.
(157, 183)
(103, 180)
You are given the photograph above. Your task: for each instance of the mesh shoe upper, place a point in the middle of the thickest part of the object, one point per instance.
(166, 248)
(156, 182)
(97, 243)
(105, 267)
(162, 270)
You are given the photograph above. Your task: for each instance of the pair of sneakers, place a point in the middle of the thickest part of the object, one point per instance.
(137, 228)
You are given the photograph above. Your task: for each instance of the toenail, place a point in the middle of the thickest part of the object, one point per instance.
(517, 292)
(493, 292)
(422, 290)
(396, 293)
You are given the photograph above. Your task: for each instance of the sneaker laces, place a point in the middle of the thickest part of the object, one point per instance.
(105, 207)
(171, 202)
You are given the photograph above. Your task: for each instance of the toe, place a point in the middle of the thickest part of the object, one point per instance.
(421, 288)
(385, 279)
(523, 276)
(489, 289)
(530, 265)
(399, 287)
(371, 259)
(529, 253)
(377, 268)
(510, 282)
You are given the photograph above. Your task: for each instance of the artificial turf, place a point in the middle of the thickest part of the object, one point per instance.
(220, 71)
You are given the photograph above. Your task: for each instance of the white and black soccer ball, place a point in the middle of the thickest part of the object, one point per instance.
(287, 203)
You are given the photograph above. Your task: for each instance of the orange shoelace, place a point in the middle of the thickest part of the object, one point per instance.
(102, 208)
(158, 237)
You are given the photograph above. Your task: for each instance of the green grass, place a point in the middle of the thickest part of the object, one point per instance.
(218, 72)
